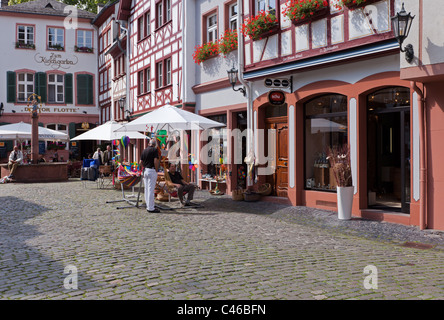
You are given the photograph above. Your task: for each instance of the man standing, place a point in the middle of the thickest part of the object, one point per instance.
(15, 159)
(149, 160)
(98, 155)
(107, 155)
(181, 185)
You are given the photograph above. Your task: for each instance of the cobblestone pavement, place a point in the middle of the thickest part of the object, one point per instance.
(226, 250)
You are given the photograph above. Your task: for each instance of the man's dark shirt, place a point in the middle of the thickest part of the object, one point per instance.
(176, 178)
(148, 156)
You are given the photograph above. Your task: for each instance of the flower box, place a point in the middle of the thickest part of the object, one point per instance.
(56, 48)
(205, 51)
(262, 25)
(228, 42)
(21, 45)
(303, 11)
(83, 49)
(354, 4)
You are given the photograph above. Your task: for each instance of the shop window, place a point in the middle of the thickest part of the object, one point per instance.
(325, 127)
(214, 167)
(54, 145)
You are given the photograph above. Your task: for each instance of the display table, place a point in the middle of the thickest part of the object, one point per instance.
(211, 181)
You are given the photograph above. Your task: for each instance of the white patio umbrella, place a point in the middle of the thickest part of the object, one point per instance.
(23, 131)
(107, 132)
(169, 117)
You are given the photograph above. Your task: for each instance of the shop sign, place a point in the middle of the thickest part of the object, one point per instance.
(276, 97)
(277, 82)
(56, 61)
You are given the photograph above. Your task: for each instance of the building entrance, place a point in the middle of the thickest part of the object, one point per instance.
(388, 149)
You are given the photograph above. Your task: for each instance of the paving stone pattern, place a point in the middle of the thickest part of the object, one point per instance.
(226, 250)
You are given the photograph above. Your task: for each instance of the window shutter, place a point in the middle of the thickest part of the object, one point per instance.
(68, 88)
(72, 130)
(81, 89)
(10, 77)
(40, 85)
(90, 89)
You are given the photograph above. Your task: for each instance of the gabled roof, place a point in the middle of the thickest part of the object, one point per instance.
(46, 7)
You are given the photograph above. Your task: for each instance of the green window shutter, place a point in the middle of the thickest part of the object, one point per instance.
(68, 88)
(40, 85)
(90, 89)
(81, 89)
(10, 79)
(72, 130)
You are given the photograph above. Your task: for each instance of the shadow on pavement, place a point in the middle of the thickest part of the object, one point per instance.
(24, 268)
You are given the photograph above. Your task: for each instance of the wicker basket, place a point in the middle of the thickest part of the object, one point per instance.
(265, 189)
(162, 196)
(237, 195)
(251, 196)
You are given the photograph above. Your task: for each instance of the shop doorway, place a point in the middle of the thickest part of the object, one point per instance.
(388, 149)
(276, 119)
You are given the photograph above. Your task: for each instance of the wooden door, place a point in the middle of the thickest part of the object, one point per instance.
(279, 180)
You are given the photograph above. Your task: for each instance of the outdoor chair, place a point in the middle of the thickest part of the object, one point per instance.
(105, 178)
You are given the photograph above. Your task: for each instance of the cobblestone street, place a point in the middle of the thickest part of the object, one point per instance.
(225, 250)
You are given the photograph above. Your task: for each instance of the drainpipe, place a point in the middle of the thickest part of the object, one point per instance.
(127, 52)
(247, 85)
(423, 158)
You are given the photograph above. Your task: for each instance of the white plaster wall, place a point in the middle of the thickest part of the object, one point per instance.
(16, 59)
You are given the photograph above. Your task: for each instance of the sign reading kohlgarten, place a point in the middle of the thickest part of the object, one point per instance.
(56, 60)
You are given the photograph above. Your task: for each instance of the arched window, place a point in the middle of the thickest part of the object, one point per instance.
(325, 126)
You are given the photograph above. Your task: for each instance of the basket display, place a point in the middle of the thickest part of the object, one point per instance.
(251, 196)
(265, 189)
(162, 196)
(237, 195)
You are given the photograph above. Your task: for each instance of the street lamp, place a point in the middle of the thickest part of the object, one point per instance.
(401, 23)
(232, 77)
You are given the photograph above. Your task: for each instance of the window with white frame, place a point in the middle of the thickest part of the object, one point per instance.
(232, 16)
(56, 88)
(167, 10)
(212, 28)
(159, 70)
(266, 5)
(159, 12)
(56, 38)
(168, 71)
(25, 35)
(25, 86)
(84, 39)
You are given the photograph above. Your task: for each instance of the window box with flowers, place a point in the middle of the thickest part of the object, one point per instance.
(262, 25)
(83, 49)
(303, 11)
(228, 42)
(205, 51)
(56, 47)
(21, 45)
(353, 4)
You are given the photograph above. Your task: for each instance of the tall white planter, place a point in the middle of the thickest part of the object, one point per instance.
(345, 202)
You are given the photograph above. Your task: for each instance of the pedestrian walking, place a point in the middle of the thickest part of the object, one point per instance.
(149, 160)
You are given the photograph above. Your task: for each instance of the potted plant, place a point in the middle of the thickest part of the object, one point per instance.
(264, 23)
(205, 51)
(352, 4)
(22, 45)
(304, 10)
(228, 42)
(83, 49)
(56, 47)
(339, 159)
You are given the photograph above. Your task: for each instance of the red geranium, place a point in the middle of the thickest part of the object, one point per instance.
(254, 27)
(301, 9)
(205, 51)
(228, 42)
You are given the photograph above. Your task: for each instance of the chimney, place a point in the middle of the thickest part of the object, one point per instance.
(99, 7)
(4, 3)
